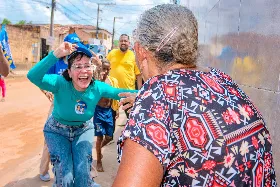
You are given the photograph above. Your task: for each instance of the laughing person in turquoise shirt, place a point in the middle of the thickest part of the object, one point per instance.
(68, 131)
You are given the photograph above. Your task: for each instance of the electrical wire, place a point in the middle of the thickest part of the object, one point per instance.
(73, 15)
(80, 10)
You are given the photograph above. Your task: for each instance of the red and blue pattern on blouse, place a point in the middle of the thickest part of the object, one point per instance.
(203, 129)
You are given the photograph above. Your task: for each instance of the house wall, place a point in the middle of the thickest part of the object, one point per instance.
(24, 42)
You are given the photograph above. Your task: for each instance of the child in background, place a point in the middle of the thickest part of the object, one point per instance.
(3, 88)
(105, 115)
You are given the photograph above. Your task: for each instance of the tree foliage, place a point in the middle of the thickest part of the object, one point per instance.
(21, 22)
(6, 21)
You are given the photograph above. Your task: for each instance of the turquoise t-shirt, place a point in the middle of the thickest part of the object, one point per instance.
(71, 107)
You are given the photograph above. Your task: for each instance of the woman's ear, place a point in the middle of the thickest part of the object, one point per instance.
(140, 51)
(143, 52)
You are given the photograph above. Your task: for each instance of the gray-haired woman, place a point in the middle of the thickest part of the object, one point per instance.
(189, 126)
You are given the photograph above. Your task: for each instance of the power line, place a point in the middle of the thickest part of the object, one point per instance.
(71, 12)
(123, 4)
(136, 5)
(73, 16)
(80, 10)
(133, 12)
(61, 9)
(129, 22)
(98, 11)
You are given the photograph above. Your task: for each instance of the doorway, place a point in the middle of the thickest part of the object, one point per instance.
(44, 48)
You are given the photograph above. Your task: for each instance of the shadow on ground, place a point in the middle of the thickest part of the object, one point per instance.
(30, 182)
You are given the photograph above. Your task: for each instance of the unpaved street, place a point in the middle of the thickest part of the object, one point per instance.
(22, 118)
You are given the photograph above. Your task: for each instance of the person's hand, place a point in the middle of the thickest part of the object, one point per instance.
(128, 100)
(65, 49)
(117, 114)
(49, 95)
(95, 59)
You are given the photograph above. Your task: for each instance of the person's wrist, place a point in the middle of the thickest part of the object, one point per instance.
(57, 53)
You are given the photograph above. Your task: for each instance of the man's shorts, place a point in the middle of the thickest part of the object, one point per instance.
(103, 121)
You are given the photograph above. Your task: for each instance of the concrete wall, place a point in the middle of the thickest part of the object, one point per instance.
(23, 42)
(45, 33)
(242, 38)
(85, 36)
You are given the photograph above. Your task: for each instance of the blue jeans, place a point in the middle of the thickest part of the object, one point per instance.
(70, 149)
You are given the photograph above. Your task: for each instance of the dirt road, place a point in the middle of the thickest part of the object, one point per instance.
(22, 118)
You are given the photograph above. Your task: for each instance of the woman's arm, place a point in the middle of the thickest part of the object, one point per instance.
(37, 74)
(142, 157)
(108, 91)
(139, 167)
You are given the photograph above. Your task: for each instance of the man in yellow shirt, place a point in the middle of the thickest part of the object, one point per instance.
(123, 65)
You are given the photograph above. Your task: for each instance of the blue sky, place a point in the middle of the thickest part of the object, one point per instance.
(79, 12)
(85, 12)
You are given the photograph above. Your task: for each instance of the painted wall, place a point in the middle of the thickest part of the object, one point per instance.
(24, 41)
(242, 38)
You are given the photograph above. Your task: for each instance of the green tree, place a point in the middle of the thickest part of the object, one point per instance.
(21, 22)
(29, 23)
(6, 21)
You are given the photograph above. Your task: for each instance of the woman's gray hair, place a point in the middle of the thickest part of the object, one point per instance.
(155, 26)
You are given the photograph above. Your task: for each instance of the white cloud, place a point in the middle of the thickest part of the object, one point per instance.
(130, 10)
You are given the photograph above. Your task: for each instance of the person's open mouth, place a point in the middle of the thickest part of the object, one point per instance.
(83, 78)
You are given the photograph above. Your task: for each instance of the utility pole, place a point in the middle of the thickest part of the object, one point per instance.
(51, 26)
(98, 10)
(114, 30)
(52, 17)
(113, 33)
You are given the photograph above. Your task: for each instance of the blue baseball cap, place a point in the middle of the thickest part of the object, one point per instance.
(72, 38)
(81, 49)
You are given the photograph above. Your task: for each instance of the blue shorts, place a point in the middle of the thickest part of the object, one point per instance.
(103, 121)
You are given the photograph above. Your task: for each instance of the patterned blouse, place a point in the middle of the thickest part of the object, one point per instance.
(203, 129)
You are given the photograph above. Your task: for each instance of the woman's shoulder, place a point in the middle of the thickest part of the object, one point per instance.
(188, 81)
(97, 85)
(177, 77)
(192, 76)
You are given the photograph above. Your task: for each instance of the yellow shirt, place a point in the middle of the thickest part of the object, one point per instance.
(123, 68)
(114, 83)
